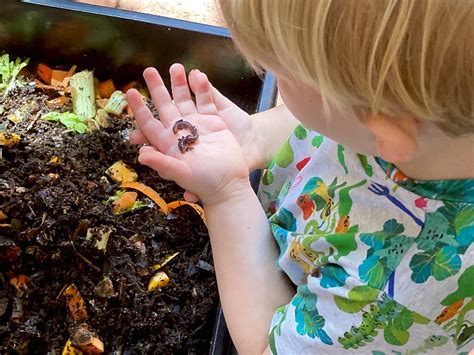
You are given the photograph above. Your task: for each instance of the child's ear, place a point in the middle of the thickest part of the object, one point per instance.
(396, 138)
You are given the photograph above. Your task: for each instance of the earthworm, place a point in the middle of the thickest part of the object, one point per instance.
(182, 124)
(185, 142)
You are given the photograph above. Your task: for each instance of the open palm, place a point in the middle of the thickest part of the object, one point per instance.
(215, 164)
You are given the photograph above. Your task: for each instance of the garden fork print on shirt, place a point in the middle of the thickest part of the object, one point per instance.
(382, 190)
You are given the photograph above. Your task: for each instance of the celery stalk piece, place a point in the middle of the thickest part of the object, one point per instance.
(116, 103)
(83, 97)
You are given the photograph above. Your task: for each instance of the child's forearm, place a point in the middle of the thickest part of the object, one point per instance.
(250, 285)
(272, 128)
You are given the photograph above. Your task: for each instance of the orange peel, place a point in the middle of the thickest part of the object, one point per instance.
(148, 191)
(75, 303)
(125, 202)
(175, 204)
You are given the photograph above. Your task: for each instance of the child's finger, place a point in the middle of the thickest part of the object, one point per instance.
(161, 97)
(151, 128)
(201, 87)
(168, 167)
(190, 197)
(180, 89)
(137, 137)
(220, 100)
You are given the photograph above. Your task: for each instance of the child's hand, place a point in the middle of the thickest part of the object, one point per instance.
(210, 101)
(215, 168)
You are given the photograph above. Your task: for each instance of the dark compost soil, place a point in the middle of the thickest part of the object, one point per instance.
(49, 216)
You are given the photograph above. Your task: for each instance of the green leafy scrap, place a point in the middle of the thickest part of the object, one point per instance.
(73, 122)
(9, 71)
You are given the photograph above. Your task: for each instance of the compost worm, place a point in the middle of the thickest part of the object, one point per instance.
(185, 142)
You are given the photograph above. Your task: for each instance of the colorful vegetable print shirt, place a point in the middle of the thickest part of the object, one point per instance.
(382, 264)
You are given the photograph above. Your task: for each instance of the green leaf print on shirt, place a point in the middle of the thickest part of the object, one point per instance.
(281, 312)
(341, 158)
(431, 343)
(345, 243)
(465, 287)
(317, 141)
(333, 275)
(300, 132)
(464, 226)
(441, 242)
(365, 165)
(345, 200)
(359, 297)
(386, 314)
(396, 336)
(309, 321)
(281, 223)
(267, 178)
(285, 155)
(387, 247)
(435, 231)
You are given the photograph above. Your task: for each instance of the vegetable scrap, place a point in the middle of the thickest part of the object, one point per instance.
(125, 202)
(149, 192)
(16, 117)
(82, 92)
(75, 303)
(130, 85)
(158, 281)
(44, 72)
(61, 78)
(175, 204)
(116, 103)
(58, 101)
(69, 349)
(165, 261)
(101, 236)
(9, 71)
(71, 121)
(20, 284)
(106, 88)
(105, 288)
(87, 341)
(119, 172)
(53, 176)
(9, 140)
(55, 160)
(102, 118)
(165, 208)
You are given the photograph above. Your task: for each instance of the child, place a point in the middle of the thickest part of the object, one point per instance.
(370, 200)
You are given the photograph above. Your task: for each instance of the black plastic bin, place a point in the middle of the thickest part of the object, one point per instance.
(120, 44)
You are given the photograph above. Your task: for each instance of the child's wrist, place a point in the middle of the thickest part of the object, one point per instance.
(234, 191)
(259, 148)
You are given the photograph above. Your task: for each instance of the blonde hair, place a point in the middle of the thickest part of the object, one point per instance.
(392, 57)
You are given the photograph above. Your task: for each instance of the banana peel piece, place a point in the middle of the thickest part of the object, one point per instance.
(119, 172)
(159, 280)
(9, 140)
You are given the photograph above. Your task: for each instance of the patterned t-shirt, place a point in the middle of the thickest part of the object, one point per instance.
(382, 264)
